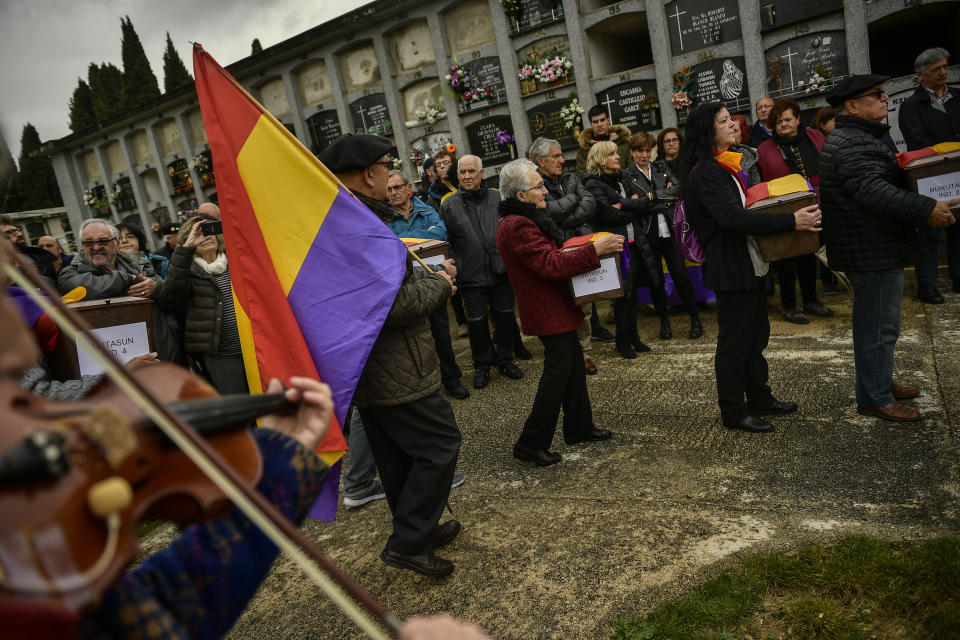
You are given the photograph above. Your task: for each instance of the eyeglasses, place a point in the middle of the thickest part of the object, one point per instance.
(671, 140)
(878, 94)
(443, 164)
(13, 231)
(540, 186)
(102, 241)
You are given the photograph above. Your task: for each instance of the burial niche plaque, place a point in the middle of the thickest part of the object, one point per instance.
(324, 128)
(546, 122)
(791, 64)
(482, 138)
(370, 115)
(485, 72)
(780, 13)
(535, 13)
(723, 80)
(697, 24)
(633, 104)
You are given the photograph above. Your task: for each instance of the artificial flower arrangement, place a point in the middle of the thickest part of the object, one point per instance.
(93, 201)
(510, 7)
(458, 78)
(185, 214)
(477, 94)
(681, 80)
(201, 163)
(555, 67)
(416, 156)
(528, 68)
(117, 192)
(504, 137)
(430, 113)
(817, 82)
(572, 113)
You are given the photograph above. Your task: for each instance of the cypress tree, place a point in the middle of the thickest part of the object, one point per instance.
(139, 83)
(255, 47)
(106, 87)
(81, 107)
(174, 72)
(36, 183)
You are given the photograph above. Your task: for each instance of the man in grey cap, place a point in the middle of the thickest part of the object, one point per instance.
(868, 218)
(408, 422)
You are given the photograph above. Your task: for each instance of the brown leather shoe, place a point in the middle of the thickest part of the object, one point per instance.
(893, 411)
(589, 367)
(426, 564)
(903, 392)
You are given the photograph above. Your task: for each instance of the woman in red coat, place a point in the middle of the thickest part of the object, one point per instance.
(794, 149)
(528, 242)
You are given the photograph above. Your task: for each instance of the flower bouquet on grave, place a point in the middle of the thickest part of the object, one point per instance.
(506, 139)
(572, 115)
(527, 72)
(117, 192)
(818, 81)
(459, 79)
(416, 156)
(511, 8)
(96, 201)
(478, 94)
(398, 164)
(430, 113)
(555, 69)
(200, 163)
(681, 82)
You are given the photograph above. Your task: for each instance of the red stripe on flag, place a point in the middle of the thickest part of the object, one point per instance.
(229, 117)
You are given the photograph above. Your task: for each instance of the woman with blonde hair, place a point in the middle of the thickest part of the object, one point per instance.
(198, 278)
(620, 210)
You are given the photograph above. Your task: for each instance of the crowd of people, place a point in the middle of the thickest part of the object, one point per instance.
(505, 261)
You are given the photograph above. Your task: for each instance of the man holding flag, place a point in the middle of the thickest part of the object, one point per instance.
(409, 423)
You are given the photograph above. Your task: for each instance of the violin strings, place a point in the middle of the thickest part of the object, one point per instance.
(240, 500)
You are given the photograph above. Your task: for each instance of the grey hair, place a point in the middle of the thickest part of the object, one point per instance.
(479, 161)
(514, 177)
(929, 57)
(541, 148)
(114, 232)
(394, 172)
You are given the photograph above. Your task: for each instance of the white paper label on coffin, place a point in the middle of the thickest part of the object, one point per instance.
(126, 341)
(599, 280)
(942, 187)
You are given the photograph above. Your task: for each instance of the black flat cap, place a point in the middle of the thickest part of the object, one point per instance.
(352, 152)
(170, 227)
(852, 86)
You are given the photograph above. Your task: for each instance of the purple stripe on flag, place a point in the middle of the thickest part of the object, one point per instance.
(343, 292)
(325, 508)
(29, 310)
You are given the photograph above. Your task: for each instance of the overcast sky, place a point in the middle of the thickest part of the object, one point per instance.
(47, 45)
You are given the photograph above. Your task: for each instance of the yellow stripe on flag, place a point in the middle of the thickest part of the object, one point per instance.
(787, 184)
(946, 147)
(276, 174)
(245, 329)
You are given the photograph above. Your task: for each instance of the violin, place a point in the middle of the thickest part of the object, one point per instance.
(76, 478)
(100, 465)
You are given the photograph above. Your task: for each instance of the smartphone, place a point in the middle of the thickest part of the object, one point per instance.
(211, 228)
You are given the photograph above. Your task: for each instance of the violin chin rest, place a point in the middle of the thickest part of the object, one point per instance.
(109, 496)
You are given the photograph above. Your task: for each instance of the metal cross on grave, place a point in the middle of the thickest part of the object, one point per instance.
(606, 103)
(363, 120)
(676, 14)
(788, 55)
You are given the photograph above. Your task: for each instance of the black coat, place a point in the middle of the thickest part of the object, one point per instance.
(663, 195)
(606, 191)
(190, 286)
(477, 258)
(570, 205)
(716, 211)
(924, 125)
(757, 135)
(868, 215)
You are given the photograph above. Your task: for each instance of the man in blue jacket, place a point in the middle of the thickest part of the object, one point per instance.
(416, 219)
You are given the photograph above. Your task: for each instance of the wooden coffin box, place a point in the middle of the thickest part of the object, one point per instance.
(604, 283)
(123, 324)
(936, 176)
(433, 252)
(793, 243)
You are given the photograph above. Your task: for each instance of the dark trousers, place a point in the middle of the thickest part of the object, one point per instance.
(227, 373)
(802, 268)
(456, 301)
(625, 307)
(928, 241)
(562, 384)
(665, 249)
(740, 366)
(440, 329)
(415, 446)
(499, 299)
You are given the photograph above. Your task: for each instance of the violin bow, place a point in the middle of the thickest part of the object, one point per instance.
(290, 540)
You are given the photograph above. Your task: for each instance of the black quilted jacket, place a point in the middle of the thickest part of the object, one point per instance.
(868, 215)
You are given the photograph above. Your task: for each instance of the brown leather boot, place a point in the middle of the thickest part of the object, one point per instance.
(903, 392)
(893, 411)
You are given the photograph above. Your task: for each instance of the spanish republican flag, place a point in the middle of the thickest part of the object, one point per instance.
(314, 271)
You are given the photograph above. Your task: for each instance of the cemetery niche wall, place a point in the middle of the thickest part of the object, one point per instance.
(370, 115)
(791, 65)
(546, 122)
(482, 139)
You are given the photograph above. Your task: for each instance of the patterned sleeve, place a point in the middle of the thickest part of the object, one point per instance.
(198, 586)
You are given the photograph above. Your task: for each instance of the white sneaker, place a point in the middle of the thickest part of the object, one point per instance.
(458, 478)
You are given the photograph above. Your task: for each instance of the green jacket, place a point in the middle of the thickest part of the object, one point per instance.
(403, 364)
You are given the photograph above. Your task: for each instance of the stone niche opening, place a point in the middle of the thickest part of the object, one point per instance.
(412, 47)
(152, 185)
(273, 96)
(168, 138)
(619, 44)
(420, 95)
(91, 168)
(313, 83)
(469, 27)
(359, 68)
(116, 162)
(912, 31)
(141, 147)
(198, 132)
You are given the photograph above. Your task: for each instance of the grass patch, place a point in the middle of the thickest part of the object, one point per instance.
(860, 589)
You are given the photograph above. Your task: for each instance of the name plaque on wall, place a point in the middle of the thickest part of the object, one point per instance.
(324, 128)
(780, 13)
(536, 13)
(697, 24)
(482, 138)
(633, 104)
(485, 72)
(723, 80)
(545, 122)
(370, 115)
(791, 64)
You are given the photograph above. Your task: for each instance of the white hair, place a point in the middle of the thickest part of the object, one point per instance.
(515, 177)
(107, 223)
(541, 148)
(477, 158)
